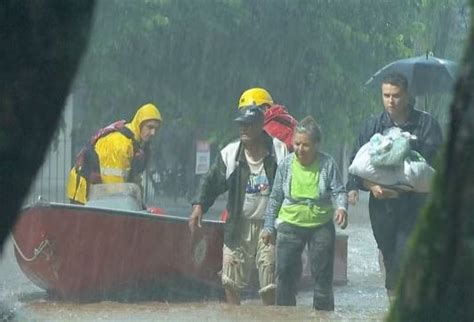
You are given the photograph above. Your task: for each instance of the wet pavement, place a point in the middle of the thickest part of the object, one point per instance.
(362, 299)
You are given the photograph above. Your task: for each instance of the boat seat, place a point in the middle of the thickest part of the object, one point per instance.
(124, 196)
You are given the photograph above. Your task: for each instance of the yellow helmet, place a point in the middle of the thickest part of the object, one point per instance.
(255, 97)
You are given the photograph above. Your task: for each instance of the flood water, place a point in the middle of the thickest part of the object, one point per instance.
(362, 299)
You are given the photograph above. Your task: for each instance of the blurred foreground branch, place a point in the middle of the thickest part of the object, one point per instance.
(438, 279)
(41, 43)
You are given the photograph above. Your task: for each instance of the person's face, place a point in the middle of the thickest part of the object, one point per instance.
(305, 150)
(249, 131)
(148, 129)
(395, 100)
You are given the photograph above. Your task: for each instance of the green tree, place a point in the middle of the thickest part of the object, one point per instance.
(195, 58)
(314, 56)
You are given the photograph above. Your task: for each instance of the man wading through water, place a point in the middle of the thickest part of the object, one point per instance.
(246, 170)
(393, 214)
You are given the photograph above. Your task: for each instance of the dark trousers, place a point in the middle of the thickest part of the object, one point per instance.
(393, 221)
(290, 243)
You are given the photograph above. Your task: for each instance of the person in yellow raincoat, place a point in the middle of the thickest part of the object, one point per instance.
(117, 153)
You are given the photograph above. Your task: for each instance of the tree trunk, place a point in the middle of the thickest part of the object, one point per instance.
(437, 283)
(41, 43)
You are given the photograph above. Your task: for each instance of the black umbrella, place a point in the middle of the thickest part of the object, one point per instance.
(425, 74)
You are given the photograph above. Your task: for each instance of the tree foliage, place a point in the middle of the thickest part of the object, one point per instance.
(194, 59)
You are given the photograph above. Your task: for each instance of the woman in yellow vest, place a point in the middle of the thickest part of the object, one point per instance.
(117, 153)
(307, 197)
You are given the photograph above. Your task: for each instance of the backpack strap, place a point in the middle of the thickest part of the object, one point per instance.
(127, 132)
(141, 153)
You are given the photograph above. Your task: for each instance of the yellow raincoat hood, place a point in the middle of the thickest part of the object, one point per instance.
(144, 113)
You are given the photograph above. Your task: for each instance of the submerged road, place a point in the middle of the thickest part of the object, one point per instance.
(362, 299)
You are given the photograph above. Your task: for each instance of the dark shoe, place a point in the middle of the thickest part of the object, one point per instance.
(232, 296)
(268, 295)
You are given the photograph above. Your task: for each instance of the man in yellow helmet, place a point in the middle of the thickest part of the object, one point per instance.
(278, 122)
(115, 154)
(245, 169)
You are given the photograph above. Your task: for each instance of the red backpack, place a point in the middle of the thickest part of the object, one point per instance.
(279, 124)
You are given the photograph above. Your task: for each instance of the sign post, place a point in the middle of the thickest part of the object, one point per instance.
(203, 157)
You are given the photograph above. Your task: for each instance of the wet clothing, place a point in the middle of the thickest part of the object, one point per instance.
(121, 157)
(308, 225)
(247, 187)
(257, 190)
(304, 186)
(421, 124)
(393, 220)
(290, 243)
(279, 124)
(331, 192)
(240, 262)
(230, 173)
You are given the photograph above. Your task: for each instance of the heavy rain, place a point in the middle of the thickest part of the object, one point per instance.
(169, 214)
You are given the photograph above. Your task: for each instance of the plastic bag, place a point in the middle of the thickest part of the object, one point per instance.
(390, 177)
(390, 149)
(418, 172)
(413, 173)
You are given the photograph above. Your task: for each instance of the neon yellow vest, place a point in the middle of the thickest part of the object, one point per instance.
(303, 209)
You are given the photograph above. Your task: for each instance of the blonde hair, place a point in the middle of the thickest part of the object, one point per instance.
(310, 127)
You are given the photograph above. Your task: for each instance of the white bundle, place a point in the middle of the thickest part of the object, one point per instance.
(411, 174)
(391, 148)
(418, 172)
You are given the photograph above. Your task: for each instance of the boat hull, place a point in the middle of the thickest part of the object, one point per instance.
(84, 253)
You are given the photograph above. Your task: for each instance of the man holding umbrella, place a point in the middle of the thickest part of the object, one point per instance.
(392, 213)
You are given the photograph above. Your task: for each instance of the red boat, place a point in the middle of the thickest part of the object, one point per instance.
(111, 249)
(83, 252)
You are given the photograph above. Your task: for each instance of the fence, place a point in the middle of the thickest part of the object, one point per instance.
(51, 180)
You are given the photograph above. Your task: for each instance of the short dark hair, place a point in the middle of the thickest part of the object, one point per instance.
(396, 79)
(310, 127)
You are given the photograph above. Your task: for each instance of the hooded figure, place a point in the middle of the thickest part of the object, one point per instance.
(115, 154)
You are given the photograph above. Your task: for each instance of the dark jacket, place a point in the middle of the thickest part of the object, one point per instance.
(421, 124)
(230, 172)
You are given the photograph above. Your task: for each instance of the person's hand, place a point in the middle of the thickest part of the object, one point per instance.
(380, 192)
(353, 197)
(267, 237)
(377, 191)
(195, 219)
(340, 217)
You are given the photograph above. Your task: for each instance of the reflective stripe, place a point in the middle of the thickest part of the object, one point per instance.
(114, 172)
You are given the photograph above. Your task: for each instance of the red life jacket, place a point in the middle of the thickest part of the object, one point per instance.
(279, 124)
(87, 161)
